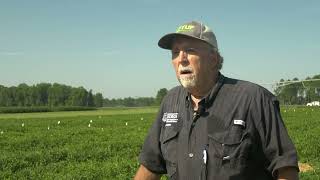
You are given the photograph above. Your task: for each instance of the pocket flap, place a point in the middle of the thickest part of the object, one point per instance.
(227, 138)
(233, 139)
(217, 136)
(168, 134)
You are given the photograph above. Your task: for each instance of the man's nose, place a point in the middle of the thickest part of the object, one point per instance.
(183, 56)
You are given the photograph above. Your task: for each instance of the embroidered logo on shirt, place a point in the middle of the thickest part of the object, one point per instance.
(239, 122)
(170, 118)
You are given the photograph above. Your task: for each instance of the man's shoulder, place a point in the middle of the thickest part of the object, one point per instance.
(246, 87)
(175, 93)
(178, 90)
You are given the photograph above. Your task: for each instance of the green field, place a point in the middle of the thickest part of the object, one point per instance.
(61, 145)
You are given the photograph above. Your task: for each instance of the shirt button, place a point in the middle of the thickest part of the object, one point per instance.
(190, 155)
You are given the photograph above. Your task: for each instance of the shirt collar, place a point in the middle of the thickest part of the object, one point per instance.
(209, 98)
(214, 91)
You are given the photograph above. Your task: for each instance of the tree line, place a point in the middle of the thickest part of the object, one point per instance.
(298, 93)
(55, 95)
(47, 94)
(136, 102)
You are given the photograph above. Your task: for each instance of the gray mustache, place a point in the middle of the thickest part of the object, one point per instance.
(181, 69)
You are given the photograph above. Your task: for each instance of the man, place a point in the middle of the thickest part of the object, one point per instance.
(213, 127)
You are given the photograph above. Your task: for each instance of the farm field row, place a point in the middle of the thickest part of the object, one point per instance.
(105, 144)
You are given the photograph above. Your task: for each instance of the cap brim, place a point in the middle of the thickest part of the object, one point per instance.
(166, 41)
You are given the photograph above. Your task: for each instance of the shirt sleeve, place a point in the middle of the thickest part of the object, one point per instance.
(276, 143)
(151, 156)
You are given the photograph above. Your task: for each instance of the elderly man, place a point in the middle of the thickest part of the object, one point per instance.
(213, 127)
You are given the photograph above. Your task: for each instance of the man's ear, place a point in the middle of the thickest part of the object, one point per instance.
(214, 57)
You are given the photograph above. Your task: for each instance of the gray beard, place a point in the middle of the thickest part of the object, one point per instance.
(188, 82)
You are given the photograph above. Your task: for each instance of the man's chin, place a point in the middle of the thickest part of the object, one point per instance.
(188, 88)
(187, 84)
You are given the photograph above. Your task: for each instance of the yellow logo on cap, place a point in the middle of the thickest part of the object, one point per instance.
(185, 28)
(206, 29)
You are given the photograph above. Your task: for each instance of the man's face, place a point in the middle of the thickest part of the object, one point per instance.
(194, 61)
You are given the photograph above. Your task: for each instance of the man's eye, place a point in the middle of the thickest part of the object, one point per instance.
(190, 50)
(175, 52)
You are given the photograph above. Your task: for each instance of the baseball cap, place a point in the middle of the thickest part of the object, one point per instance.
(191, 29)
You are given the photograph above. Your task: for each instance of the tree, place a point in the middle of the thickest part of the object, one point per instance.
(12, 96)
(313, 89)
(129, 102)
(98, 100)
(45, 94)
(107, 102)
(160, 95)
(90, 100)
(42, 94)
(3, 96)
(22, 95)
(78, 97)
(55, 95)
(300, 92)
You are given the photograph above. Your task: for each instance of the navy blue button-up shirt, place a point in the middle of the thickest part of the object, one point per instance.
(236, 133)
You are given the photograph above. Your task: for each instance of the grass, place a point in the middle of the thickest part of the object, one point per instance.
(109, 148)
(44, 149)
(102, 111)
(18, 109)
(303, 124)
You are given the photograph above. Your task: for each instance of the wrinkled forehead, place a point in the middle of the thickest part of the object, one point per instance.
(182, 42)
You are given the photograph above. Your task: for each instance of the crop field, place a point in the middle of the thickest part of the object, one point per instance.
(104, 144)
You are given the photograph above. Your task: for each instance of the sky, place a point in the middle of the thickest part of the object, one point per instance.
(110, 46)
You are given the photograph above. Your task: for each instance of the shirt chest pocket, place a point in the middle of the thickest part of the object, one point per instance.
(228, 152)
(169, 141)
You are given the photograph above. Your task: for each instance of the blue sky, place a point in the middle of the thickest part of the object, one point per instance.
(110, 46)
